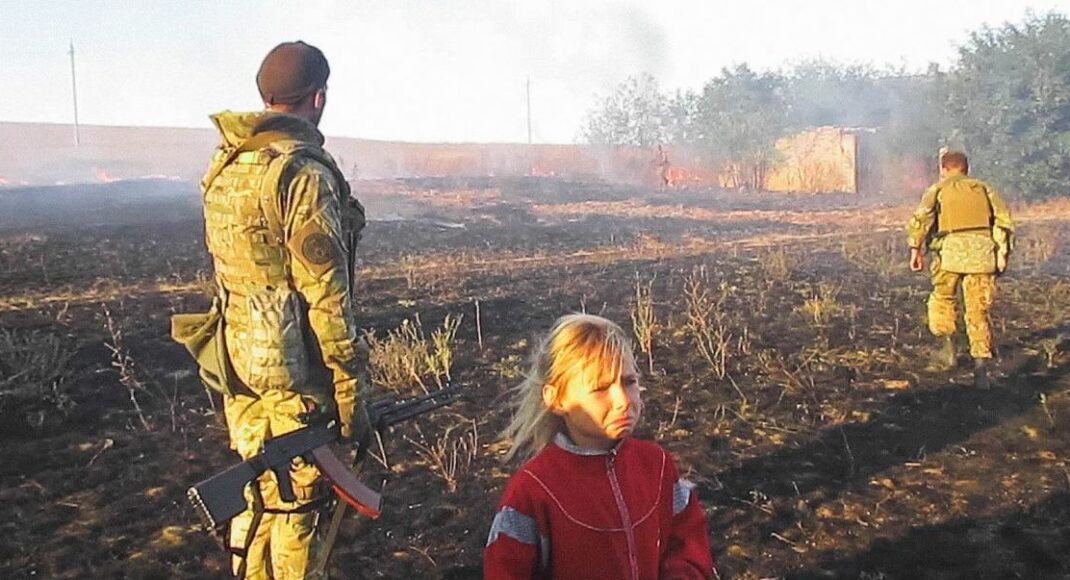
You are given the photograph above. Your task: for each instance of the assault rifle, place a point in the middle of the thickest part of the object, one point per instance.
(222, 496)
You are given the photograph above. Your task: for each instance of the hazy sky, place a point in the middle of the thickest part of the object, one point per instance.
(443, 70)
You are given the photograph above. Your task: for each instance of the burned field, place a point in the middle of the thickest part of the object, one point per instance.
(785, 370)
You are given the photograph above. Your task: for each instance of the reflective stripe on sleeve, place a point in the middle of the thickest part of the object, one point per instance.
(520, 527)
(681, 495)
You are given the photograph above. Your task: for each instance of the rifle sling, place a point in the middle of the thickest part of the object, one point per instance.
(250, 534)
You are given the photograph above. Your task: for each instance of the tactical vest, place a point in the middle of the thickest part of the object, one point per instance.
(964, 219)
(963, 206)
(266, 330)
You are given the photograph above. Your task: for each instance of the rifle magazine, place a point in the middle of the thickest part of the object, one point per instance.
(350, 489)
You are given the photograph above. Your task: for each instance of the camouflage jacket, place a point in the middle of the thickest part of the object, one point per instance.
(282, 231)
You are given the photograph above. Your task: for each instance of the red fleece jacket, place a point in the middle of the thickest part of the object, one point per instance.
(588, 514)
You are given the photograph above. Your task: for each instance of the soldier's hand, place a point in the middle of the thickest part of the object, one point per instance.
(1001, 262)
(318, 414)
(359, 428)
(917, 260)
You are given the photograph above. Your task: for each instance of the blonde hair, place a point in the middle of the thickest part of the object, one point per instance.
(575, 343)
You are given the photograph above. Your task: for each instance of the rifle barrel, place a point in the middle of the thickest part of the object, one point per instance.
(391, 410)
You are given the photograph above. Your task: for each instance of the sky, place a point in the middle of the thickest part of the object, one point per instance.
(444, 70)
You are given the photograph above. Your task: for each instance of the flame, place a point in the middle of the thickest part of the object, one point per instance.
(4, 181)
(542, 170)
(102, 175)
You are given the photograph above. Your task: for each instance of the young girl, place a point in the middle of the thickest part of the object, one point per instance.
(593, 503)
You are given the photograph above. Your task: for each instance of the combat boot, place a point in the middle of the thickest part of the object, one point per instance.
(980, 374)
(943, 357)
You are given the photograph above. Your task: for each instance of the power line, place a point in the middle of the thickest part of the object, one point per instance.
(74, 91)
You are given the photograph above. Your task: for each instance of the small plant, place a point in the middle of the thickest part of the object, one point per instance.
(775, 265)
(665, 427)
(509, 367)
(395, 359)
(791, 378)
(405, 356)
(706, 322)
(1038, 248)
(408, 265)
(131, 378)
(1043, 400)
(439, 361)
(34, 370)
(820, 306)
(451, 454)
(1050, 348)
(647, 244)
(644, 321)
(744, 343)
(852, 321)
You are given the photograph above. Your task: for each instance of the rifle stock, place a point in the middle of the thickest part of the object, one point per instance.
(221, 497)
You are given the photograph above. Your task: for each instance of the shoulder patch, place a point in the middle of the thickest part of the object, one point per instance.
(316, 248)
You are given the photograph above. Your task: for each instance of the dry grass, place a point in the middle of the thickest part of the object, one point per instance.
(774, 264)
(706, 322)
(136, 382)
(821, 305)
(644, 321)
(886, 257)
(451, 454)
(405, 356)
(1037, 246)
(637, 209)
(34, 373)
(790, 377)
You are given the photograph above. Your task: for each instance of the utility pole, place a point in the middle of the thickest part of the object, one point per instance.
(529, 110)
(74, 91)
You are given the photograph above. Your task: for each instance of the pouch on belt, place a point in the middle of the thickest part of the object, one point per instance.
(202, 335)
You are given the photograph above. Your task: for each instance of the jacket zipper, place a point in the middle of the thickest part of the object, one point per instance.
(625, 517)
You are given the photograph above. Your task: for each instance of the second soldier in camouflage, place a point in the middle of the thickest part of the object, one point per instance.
(968, 229)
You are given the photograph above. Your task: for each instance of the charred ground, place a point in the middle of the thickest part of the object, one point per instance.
(820, 447)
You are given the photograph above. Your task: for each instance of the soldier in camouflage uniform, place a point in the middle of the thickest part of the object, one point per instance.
(282, 230)
(969, 229)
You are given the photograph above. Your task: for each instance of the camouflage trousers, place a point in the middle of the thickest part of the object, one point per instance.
(978, 293)
(285, 541)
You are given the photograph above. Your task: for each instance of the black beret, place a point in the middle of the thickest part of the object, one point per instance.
(291, 72)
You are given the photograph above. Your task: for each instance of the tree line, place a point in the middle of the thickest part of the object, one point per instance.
(1005, 101)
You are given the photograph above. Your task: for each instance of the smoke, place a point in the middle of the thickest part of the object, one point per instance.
(583, 50)
(401, 66)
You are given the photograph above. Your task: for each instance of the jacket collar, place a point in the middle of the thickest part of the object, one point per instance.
(235, 128)
(953, 178)
(562, 441)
